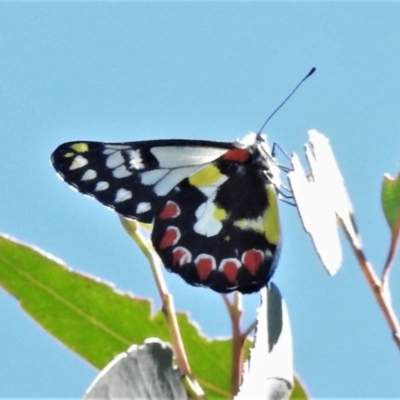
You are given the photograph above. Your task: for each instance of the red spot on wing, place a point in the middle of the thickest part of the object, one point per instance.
(238, 155)
(170, 238)
(181, 256)
(171, 210)
(229, 267)
(204, 264)
(252, 260)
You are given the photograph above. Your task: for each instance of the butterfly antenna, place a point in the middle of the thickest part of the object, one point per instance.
(286, 99)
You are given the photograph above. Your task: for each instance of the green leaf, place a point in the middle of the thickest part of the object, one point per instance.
(96, 321)
(391, 201)
(299, 391)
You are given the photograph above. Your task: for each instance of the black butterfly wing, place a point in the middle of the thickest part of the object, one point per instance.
(213, 207)
(133, 178)
(220, 226)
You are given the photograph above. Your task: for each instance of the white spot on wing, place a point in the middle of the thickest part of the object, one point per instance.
(152, 177)
(102, 185)
(78, 162)
(206, 224)
(89, 175)
(143, 207)
(166, 184)
(123, 195)
(135, 159)
(182, 156)
(121, 172)
(114, 160)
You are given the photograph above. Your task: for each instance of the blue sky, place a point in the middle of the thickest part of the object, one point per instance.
(132, 71)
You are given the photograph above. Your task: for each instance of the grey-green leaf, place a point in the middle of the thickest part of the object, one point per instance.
(142, 372)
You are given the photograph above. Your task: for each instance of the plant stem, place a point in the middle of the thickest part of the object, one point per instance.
(235, 311)
(379, 288)
(391, 253)
(133, 229)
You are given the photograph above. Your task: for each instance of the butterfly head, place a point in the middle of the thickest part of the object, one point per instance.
(259, 142)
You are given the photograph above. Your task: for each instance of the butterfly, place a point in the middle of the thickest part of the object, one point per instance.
(212, 205)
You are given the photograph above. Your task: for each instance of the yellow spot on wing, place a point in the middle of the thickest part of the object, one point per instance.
(80, 147)
(267, 224)
(219, 214)
(251, 224)
(271, 217)
(69, 155)
(207, 176)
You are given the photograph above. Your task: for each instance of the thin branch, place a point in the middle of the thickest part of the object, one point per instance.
(235, 312)
(380, 291)
(133, 229)
(250, 329)
(391, 253)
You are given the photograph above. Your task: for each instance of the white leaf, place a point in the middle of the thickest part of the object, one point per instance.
(269, 372)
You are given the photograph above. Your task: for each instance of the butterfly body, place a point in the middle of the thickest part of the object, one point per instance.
(213, 205)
